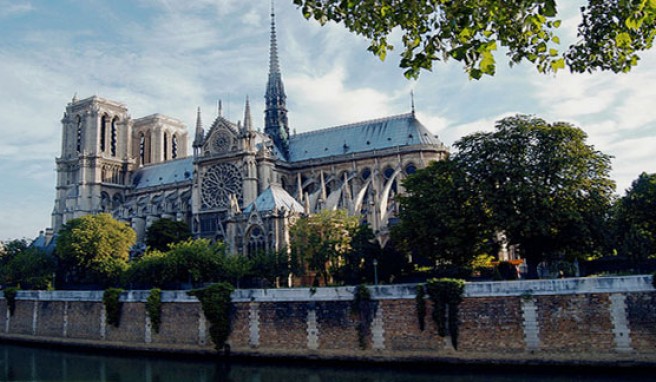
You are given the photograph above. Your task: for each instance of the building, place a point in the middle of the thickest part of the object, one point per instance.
(239, 185)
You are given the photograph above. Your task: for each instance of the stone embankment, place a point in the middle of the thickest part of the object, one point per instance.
(583, 321)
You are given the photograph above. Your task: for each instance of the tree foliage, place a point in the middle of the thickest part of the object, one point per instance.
(11, 248)
(540, 184)
(30, 268)
(94, 249)
(610, 33)
(441, 220)
(164, 232)
(634, 220)
(320, 240)
(190, 262)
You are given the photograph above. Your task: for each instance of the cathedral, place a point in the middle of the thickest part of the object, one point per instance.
(240, 185)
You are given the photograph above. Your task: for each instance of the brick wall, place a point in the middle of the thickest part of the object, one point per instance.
(555, 318)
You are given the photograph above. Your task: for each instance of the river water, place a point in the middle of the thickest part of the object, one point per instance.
(20, 363)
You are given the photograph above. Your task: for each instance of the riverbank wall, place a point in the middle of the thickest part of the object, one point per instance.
(582, 321)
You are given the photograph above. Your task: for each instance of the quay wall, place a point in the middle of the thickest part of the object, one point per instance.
(570, 321)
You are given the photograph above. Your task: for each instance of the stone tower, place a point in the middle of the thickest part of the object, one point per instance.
(93, 170)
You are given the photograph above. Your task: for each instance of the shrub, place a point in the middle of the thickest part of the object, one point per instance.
(10, 296)
(113, 306)
(446, 293)
(361, 307)
(154, 308)
(216, 302)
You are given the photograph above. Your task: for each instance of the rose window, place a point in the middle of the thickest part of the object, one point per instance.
(221, 142)
(219, 182)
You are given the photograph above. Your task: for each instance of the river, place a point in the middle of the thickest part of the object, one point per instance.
(22, 363)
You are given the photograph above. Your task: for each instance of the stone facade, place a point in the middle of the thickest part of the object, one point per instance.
(570, 323)
(242, 185)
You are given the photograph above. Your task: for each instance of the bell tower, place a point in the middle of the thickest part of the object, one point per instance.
(93, 169)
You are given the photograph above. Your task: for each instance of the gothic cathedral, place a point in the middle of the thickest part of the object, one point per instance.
(240, 185)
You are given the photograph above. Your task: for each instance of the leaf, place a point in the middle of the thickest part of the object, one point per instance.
(623, 40)
(558, 64)
(487, 63)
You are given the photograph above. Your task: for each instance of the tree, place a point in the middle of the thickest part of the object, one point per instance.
(31, 268)
(94, 249)
(357, 264)
(611, 32)
(320, 240)
(10, 249)
(541, 185)
(441, 222)
(187, 263)
(166, 231)
(634, 220)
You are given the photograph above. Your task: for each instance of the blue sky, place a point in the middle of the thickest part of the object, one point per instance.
(170, 56)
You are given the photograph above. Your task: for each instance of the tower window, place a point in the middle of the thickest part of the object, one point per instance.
(114, 137)
(174, 147)
(142, 149)
(79, 134)
(103, 133)
(166, 146)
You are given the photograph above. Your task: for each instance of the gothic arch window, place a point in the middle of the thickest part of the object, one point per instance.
(174, 147)
(78, 124)
(166, 146)
(103, 133)
(105, 202)
(256, 241)
(117, 201)
(366, 173)
(142, 149)
(114, 136)
(388, 172)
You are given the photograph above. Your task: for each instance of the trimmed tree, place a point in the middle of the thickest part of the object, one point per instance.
(94, 249)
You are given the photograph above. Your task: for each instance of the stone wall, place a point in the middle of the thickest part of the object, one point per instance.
(567, 320)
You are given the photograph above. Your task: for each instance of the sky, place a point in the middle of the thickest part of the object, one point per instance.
(171, 57)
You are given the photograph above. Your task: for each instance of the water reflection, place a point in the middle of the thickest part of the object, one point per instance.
(20, 363)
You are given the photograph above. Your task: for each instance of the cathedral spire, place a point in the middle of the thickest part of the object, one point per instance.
(275, 114)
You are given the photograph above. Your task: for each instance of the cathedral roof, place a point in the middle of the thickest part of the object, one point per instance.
(169, 172)
(384, 133)
(274, 197)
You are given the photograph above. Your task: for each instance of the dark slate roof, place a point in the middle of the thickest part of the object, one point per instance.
(169, 172)
(274, 197)
(400, 130)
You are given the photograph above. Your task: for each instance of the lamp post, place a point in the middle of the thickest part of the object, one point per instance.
(375, 272)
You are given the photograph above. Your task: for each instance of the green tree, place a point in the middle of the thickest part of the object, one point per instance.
(610, 32)
(11, 248)
(166, 231)
(357, 264)
(94, 249)
(320, 240)
(634, 220)
(442, 222)
(541, 185)
(185, 264)
(31, 268)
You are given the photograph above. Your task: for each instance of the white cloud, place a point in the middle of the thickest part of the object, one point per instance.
(9, 8)
(326, 100)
